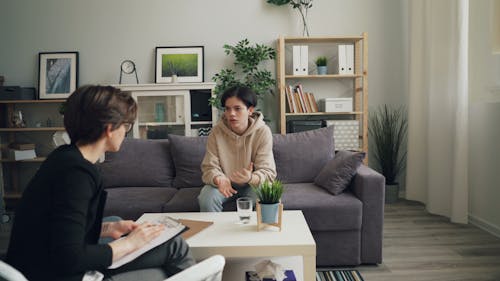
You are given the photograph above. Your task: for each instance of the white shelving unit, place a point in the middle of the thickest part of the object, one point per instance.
(166, 108)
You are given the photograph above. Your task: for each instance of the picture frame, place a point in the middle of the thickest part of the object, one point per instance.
(57, 74)
(187, 63)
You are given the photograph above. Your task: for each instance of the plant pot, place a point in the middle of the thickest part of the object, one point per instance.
(322, 70)
(269, 212)
(391, 193)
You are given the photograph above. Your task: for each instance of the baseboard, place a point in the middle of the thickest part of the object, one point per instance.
(484, 225)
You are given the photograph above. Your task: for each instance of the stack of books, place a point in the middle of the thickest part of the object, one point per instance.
(21, 151)
(300, 101)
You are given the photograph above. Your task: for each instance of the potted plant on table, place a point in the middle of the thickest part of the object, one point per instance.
(321, 65)
(269, 202)
(388, 128)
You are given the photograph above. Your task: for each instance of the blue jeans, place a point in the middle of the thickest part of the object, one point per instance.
(211, 200)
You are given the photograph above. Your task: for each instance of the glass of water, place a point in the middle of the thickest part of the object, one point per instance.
(244, 206)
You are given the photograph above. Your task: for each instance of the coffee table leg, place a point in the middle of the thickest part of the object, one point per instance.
(309, 268)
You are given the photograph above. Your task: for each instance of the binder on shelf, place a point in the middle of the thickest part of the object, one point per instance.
(349, 58)
(300, 56)
(304, 59)
(342, 59)
(296, 60)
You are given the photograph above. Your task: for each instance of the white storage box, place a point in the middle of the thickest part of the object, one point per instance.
(336, 105)
(345, 134)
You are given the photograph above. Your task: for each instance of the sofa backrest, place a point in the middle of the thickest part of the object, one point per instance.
(139, 163)
(300, 156)
(176, 162)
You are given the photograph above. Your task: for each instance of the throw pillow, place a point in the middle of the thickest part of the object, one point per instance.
(338, 172)
(138, 163)
(300, 156)
(187, 153)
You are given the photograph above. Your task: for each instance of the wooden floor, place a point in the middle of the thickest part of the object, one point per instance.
(420, 246)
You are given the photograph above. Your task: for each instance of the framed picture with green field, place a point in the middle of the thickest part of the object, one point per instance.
(179, 64)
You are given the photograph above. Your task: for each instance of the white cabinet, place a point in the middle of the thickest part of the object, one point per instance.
(177, 108)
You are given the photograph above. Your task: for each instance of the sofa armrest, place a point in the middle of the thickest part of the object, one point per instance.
(369, 186)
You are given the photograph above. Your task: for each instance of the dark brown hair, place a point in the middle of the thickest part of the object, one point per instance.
(90, 109)
(245, 94)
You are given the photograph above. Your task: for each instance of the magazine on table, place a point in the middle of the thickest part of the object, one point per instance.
(172, 229)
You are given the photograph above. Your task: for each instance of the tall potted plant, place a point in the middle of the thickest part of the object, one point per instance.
(388, 128)
(246, 72)
(269, 200)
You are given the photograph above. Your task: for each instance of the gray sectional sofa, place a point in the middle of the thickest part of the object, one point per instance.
(164, 176)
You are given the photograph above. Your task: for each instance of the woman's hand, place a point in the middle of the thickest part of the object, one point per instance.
(117, 229)
(224, 186)
(140, 236)
(242, 176)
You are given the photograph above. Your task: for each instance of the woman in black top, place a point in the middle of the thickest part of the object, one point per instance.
(59, 219)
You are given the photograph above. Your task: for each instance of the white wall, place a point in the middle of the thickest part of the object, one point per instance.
(107, 32)
(484, 117)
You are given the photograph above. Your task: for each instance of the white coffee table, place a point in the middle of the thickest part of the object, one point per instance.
(231, 239)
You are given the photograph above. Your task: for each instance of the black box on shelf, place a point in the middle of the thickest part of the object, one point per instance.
(16, 93)
(294, 126)
(201, 110)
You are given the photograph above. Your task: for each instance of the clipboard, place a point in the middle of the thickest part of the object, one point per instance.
(194, 226)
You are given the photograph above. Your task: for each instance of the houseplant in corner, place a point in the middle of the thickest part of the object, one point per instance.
(269, 202)
(246, 72)
(321, 65)
(388, 127)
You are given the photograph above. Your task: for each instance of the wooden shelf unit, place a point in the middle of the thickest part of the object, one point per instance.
(360, 80)
(13, 189)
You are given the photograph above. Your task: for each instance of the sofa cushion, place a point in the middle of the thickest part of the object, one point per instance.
(300, 156)
(338, 172)
(132, 202)
(187, 153)
(139, 163)
(323, 212)
(185, 200)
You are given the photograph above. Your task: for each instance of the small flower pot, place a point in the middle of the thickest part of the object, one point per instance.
(322, 70)
(269, 214)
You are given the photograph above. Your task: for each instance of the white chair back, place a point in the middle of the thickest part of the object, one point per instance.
(9, 273)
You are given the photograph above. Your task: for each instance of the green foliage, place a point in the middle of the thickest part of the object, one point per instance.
(247, 72)
(62, 108)
(270, 192)
(388, 127)
(301, 5)
(320, 61)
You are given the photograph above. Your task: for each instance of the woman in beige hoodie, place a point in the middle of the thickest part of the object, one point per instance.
(239, 152)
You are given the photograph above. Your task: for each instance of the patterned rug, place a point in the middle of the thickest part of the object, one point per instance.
(339, 275)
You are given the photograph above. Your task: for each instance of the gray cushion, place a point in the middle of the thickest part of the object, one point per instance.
(300, 156)
(132, 202)
(139, 163)
(338, 172)
(187, 153)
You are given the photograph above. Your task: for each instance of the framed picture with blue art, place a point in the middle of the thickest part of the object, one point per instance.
(179, 64)
(57, 74)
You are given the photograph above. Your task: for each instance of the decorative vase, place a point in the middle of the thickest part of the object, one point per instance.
(322, 70)
(174, 78)
(391, 193)
(159, 112)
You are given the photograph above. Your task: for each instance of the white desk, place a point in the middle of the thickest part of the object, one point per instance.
(233, 240)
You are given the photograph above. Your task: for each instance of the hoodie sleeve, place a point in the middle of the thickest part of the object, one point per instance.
(264, 165)
(210, 166)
